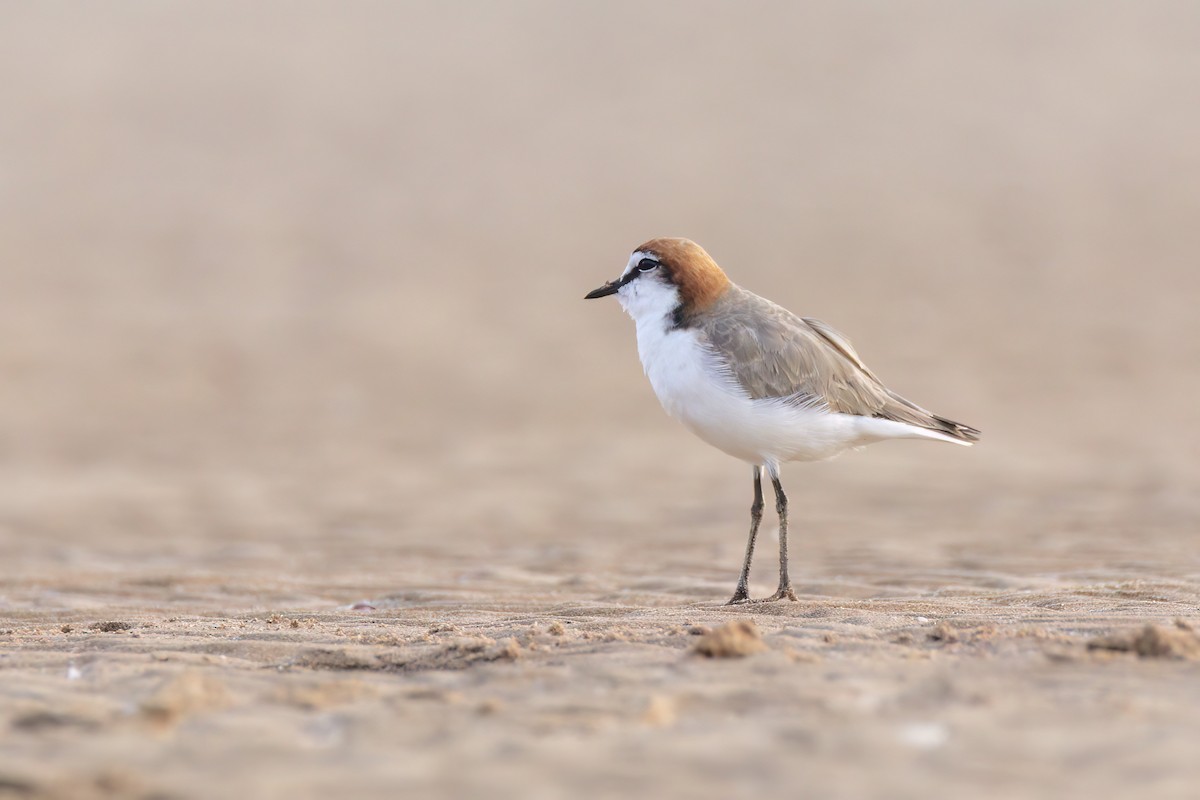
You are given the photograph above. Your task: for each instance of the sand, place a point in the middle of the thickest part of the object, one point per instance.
(319, 478)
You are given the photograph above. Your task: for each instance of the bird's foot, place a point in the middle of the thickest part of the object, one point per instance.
(784, 592)
(741, 596)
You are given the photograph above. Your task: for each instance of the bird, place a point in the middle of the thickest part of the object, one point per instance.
(756, 381)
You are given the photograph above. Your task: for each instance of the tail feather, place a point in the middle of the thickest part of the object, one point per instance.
(964, 433)
(908, 412)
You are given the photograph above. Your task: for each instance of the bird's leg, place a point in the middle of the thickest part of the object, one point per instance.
(785, 583)
(742, 593)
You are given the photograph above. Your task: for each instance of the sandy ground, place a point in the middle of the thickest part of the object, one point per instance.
(318, 478)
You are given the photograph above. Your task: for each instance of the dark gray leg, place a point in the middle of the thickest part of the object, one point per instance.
(742, 593)
(785, 583)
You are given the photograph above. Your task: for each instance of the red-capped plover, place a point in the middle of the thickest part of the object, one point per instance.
(755, 380)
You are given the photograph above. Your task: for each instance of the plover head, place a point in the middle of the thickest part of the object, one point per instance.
(666, 277)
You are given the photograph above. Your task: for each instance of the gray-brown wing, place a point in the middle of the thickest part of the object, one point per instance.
(772, 353)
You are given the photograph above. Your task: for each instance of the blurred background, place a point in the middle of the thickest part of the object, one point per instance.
(299, 285)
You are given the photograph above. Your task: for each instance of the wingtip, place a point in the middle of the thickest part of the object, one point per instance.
(969, 435)
(961, 433)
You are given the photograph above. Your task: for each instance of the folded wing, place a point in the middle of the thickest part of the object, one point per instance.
(772, 353)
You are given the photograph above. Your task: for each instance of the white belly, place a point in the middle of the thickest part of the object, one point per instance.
(692, 388)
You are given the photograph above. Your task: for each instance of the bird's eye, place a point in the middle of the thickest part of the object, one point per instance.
(646, 264)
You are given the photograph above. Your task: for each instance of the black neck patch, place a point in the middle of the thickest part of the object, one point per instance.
(679, 320)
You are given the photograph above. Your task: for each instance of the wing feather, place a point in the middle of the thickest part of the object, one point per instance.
(772, 353)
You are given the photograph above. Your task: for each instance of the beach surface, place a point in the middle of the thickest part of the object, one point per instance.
(319, 478)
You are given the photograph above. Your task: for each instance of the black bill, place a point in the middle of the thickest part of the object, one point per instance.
(604, 291)
(612, 286)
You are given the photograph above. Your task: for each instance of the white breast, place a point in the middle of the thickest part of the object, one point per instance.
(693, 388)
